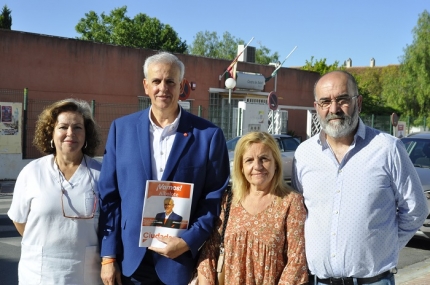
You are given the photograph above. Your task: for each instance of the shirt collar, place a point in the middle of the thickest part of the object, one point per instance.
(169, 129)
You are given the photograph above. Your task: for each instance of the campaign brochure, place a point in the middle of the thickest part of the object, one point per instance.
(166, 211)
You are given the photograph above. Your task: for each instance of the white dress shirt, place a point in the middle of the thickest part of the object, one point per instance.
(162, 141)
(361, 211)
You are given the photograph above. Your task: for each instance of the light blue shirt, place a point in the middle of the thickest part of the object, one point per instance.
(353, 228)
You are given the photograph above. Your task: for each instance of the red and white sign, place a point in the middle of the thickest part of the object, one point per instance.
(272, 101)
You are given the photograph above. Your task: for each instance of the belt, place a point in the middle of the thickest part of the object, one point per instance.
(350, 280)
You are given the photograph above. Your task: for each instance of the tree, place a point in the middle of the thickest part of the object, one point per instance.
(263, 56)
(5, 18)
(141, 31)
(368, 83)
(321, 66)
(414, 81)
(209, 44)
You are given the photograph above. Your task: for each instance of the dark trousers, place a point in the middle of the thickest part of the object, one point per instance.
(145, 274)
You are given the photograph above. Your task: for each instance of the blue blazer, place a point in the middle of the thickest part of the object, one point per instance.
(199, 155)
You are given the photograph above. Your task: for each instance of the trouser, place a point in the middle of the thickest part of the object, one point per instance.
(145, 274)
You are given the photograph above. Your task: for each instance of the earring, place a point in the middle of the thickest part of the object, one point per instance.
(52, 145)
(86, 144)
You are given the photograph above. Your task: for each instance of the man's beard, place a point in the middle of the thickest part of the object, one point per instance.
(339, 128)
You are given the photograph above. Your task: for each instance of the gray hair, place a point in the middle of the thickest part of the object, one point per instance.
(164, 57)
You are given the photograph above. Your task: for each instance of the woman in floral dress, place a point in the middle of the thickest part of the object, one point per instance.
(264, 236)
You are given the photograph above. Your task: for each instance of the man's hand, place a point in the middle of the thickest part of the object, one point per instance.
(109, 273)
(174, 247)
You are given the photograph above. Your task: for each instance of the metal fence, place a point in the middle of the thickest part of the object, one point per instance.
(383, 123)
(105, 113)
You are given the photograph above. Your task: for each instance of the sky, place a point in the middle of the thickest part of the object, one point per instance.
(332, 29)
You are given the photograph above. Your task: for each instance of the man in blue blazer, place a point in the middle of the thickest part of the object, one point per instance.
(168, 218)
(163, 142)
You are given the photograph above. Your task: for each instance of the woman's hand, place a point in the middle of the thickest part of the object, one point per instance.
(110, 273)
(174, 247)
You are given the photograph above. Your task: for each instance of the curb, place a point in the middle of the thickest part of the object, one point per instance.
(416, 274)
(6, 187)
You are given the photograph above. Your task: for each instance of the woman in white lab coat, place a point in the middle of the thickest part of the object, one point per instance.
(54, 205)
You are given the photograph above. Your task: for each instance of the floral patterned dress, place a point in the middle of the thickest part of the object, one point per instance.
(266, 248)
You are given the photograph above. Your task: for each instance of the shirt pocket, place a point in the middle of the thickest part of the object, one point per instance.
(92, 266)
(30, 264)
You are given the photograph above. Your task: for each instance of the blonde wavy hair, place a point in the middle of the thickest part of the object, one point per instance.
(240, 185)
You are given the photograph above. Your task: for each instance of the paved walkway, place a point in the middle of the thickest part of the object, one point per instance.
(416, 274)
(6, 187)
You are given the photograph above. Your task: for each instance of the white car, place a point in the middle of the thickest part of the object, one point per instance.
(418, 147)
(286, 143)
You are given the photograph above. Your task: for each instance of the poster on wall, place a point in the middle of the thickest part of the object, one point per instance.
(10, 127)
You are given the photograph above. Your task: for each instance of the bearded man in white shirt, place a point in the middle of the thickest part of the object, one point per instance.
(363, 195)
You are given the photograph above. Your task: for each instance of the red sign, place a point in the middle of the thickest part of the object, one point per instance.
(272, 101)
(185, 90)
(394, 119)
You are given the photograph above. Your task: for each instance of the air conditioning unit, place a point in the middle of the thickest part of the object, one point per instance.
(248, 54)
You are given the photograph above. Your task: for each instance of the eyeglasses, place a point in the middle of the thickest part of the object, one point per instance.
(78, 217)
(64, 192)
(341, 101)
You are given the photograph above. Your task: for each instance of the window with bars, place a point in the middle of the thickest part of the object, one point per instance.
(214, 109)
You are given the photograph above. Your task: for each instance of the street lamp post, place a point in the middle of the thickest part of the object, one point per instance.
(230, 83)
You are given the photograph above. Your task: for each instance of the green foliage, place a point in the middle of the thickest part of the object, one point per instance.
(321, 66)
(392, 91)
(369, 81)
(407, 87)
(263, 56)
(414, 81)
(372, 105)
(5, 18)
(209, 44)
(141, 31)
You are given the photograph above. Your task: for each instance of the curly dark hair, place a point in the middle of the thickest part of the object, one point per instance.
(48, 118)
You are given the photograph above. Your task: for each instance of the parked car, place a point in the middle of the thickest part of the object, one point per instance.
(418, 147)
(286, 143)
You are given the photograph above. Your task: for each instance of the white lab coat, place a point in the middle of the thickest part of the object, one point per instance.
(55, 249)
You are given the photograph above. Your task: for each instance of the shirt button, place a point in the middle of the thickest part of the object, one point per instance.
(161, 169)
(161, 153)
